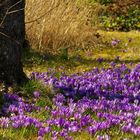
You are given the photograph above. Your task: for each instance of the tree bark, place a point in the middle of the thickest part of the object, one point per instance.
(12, 37)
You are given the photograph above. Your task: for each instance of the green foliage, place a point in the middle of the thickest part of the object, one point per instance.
(122, 22)
(138, 121)
(46, 92)
(121, 15)
(32, 86)
(64, 53)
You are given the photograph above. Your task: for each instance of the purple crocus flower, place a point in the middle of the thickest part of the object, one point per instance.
(40, 138)
(4, 122)
(64, 133)
(41, 132)
(36, 94)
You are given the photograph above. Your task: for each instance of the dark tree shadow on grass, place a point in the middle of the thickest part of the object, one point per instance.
(31, 58)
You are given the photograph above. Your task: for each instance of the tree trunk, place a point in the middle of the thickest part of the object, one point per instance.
(12, 37)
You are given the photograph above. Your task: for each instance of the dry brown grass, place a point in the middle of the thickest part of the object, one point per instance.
(59, 24)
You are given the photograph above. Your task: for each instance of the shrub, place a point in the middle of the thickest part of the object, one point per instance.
(121, 14)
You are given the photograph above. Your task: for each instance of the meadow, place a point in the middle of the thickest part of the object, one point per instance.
(84, 81)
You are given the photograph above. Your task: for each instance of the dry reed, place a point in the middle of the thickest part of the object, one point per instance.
(55, 24)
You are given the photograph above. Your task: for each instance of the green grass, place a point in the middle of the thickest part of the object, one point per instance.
(82, 60)
(78, 61)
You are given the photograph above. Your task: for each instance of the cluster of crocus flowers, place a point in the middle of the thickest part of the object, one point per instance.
(93, 102)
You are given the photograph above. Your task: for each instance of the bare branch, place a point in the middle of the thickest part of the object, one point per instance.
(7, 12)
(9, 37)
(15, 11)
